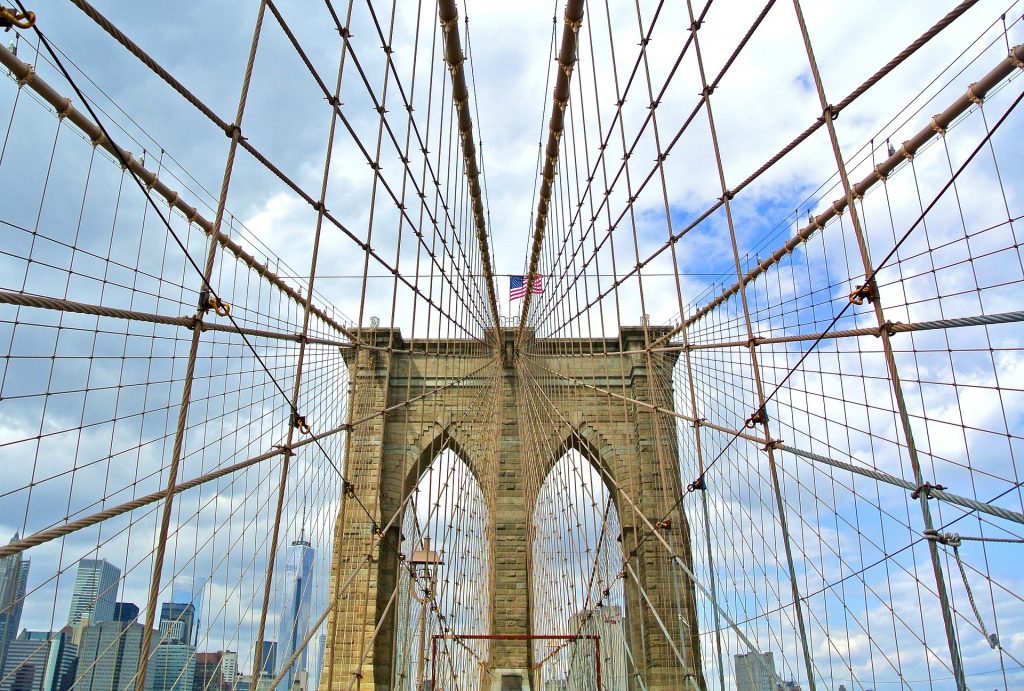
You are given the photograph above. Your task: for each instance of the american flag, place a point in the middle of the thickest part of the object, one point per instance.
(517, 286)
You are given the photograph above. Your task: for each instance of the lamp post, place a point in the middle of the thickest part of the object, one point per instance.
(424, 563)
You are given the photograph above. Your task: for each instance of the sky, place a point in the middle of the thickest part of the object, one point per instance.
(765, 99)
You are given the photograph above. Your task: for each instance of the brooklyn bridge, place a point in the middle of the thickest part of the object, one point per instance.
(553, 345)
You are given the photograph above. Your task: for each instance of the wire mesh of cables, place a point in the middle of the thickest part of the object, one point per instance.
(818, 415)
(178, 407)
(258, 413)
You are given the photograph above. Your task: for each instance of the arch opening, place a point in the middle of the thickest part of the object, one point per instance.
(444, 586)
(577, 587)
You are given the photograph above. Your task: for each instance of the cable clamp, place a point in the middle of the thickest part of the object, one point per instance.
(926, 490)
(664, 524)
(697, 485)
(12, 18)
(285, 450)
(30, 75)
(949, 539)
(975, 99)
(349, 489)
(862, 293)
(830, 113)
(772, 445)
(937, 128)
(1015, 60)
(299, 422)
(727, 196)
(758, 418)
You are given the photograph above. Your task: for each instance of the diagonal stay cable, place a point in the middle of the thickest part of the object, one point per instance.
(877, 76)
(869, 280)
(207, 285)
(406, 170)
(228, 129)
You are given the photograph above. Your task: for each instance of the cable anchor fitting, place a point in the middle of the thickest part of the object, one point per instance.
(697, 485)
(222, 309)
(862, 293)
(758, 418)
(664, 524)
(926, 490)
(11, 18)
(949, 539)
(299, 422)
(208, 302)
(349, 490)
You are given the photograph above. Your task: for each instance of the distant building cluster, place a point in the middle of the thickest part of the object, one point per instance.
(100, 647)
(756, 672)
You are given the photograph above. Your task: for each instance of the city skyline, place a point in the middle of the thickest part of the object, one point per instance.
(98, 649)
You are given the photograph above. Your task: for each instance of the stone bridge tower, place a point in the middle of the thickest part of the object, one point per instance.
(479, 415)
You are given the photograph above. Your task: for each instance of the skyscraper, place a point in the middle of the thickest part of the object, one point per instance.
(298, 592)
(177, 622)
(40, 661)
(185, 591)
(108, 657)
(13, 581)
(95, 591)
(268, 658)
(209, 674)
(25, 664)
(173, 663)
(755, 672)
(316, 663)
(229, 667)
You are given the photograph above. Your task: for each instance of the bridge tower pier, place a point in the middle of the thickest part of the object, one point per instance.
(484, 421)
